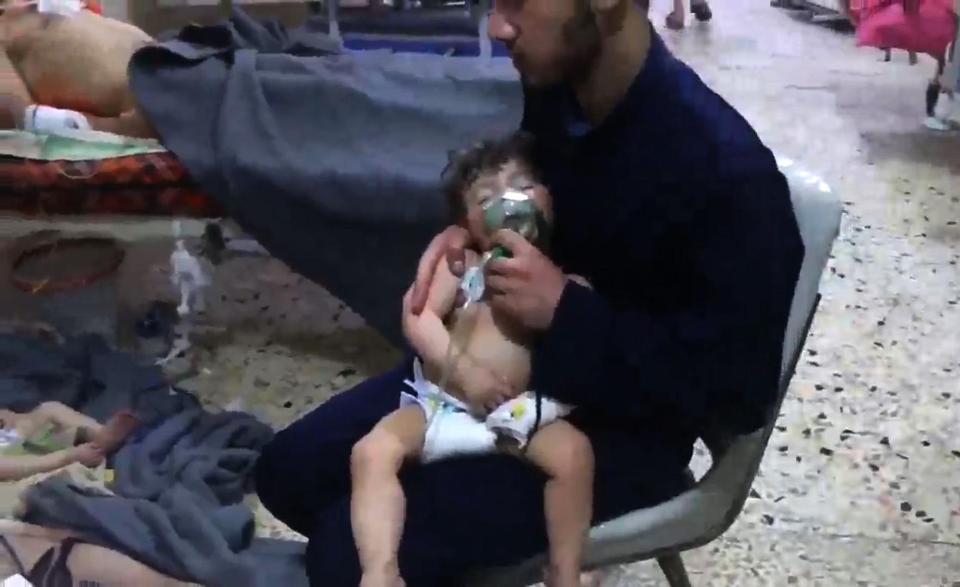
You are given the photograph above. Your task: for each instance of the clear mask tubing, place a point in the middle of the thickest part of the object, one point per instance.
(512, 210)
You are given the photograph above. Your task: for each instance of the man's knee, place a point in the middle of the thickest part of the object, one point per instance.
(271, 476)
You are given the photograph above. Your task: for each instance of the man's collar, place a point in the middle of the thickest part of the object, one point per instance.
(575, 121)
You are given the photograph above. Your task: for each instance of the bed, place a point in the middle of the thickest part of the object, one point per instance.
(95, 174)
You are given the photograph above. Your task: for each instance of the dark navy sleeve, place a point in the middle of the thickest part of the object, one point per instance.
(722, 350)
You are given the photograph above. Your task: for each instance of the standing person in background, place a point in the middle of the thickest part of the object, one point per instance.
(699, 8)
(947, 81)
(934, 89)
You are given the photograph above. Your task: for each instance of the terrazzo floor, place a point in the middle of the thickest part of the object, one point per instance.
(860, 484)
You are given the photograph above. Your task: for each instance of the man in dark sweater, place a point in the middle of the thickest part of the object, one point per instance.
(670, 206)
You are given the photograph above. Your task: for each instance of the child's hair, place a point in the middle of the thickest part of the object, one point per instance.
(466, 166)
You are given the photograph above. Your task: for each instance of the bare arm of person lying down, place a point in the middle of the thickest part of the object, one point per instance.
(16, 467)
(90, 440)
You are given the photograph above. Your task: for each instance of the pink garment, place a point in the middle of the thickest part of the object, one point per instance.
(920, 26)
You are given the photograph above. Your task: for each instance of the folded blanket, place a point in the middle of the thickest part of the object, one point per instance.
(177, 498)
(331, 161)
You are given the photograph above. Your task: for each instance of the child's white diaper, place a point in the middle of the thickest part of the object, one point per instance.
(453, 431)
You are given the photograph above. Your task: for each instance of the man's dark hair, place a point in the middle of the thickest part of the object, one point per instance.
(466, 166)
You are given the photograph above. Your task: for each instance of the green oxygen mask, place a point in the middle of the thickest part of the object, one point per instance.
(512, 210)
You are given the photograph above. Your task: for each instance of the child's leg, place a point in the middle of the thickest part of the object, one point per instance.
(565, 455)
(377, 504)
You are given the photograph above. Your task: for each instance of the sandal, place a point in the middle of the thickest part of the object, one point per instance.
(702, 11)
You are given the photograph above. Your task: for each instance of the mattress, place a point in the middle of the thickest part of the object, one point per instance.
(94, 174)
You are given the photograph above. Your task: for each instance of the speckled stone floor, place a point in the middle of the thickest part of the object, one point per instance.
(861, 482)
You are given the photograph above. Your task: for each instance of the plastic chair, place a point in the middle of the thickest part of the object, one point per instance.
(706, 511)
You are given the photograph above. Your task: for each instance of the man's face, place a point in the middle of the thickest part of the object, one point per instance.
(550, 41)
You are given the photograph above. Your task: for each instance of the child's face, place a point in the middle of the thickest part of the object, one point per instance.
(512, 176)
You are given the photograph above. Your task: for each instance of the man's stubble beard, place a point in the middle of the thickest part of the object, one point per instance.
(582, 37)
(581, 46)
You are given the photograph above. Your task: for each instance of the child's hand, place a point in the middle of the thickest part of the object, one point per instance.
(483, 389)
(88, 455)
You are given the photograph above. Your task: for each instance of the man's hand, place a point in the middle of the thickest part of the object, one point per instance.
(526, 287)
(450, 244)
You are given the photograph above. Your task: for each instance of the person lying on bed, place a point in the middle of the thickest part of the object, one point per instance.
(61, 71)
(52, 556)
(438, 416)
(53, 436)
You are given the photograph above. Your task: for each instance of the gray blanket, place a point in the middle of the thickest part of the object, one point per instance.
(85, 374)
(332, 161)
(177, 506)
(179, 480)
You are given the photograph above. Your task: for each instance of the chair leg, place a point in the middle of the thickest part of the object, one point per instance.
(673, 569)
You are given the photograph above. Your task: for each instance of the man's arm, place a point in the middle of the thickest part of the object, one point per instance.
(747, 253)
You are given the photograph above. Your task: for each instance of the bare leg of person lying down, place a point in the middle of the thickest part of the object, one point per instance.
(45, 556)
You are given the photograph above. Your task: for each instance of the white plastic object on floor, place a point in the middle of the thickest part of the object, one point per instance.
(704, 512)
(16, 581)
(190, 279)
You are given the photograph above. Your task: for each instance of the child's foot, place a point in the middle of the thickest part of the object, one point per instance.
(113, 434)
(382, 579)
(557, 576)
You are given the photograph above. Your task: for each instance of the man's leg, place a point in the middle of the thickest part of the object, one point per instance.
(484, 512)
(306, 468)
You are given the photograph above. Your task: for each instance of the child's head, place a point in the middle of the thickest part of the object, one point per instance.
(486, 171)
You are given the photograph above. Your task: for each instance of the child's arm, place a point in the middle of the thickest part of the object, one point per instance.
(427, 333)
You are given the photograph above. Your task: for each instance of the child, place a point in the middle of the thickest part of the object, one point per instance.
(53, 436)
(433, 423)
